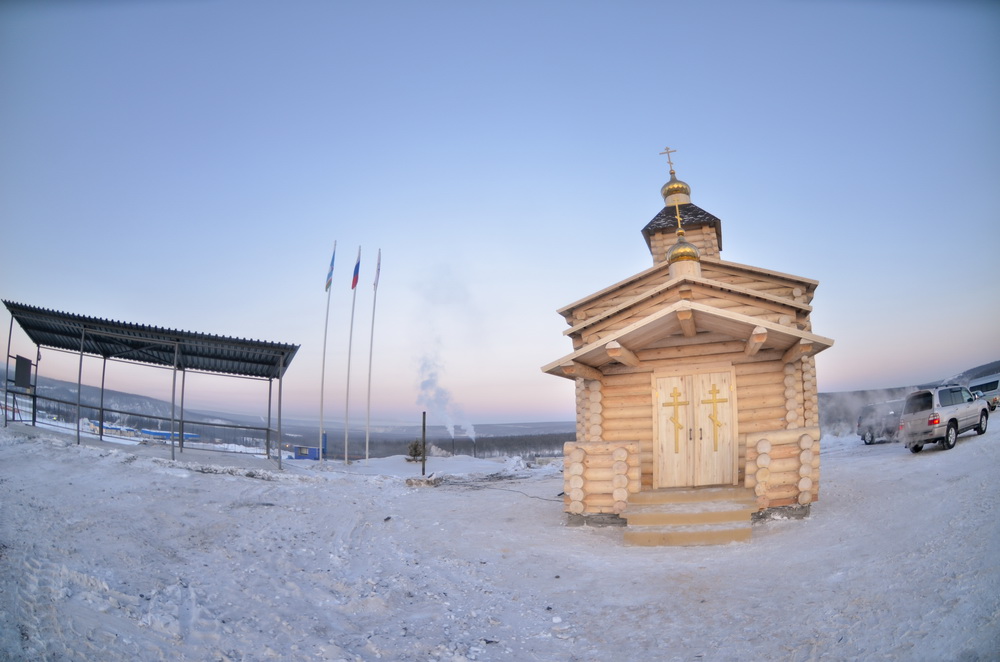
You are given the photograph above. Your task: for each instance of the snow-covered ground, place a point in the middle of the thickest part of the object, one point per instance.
(114, 552)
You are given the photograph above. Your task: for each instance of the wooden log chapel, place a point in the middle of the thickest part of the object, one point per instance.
(696, 400)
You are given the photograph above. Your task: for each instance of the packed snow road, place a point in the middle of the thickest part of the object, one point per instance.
(116, 553)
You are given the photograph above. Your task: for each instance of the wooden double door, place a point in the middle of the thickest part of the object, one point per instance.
(695, 430)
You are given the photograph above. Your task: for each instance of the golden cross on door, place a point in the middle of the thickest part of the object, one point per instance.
(676, 404)
(716, 423)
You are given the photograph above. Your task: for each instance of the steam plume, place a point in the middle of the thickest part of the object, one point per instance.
(437, 400)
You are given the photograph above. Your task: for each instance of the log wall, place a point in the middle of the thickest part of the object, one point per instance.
(599, 476)
(782, 467)
(703, 237)
(777, 422)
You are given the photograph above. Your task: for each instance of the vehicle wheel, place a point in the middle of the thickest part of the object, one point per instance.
(983, 418)
(916, 448)
(868, 438)
(950, 437)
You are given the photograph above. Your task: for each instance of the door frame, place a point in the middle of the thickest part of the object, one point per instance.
(691, 371)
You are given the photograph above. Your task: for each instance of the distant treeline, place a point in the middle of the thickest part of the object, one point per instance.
(526, 446)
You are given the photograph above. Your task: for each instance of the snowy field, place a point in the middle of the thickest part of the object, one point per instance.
(112, 552)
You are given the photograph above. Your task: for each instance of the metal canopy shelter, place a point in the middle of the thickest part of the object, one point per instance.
(139, 343)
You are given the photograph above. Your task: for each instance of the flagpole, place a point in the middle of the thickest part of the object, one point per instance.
(322, 372)
(371, 345)
(350, 341)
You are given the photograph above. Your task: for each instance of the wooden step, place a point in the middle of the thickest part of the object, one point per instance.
(692, 495)
(689, 516)
(666, 515)
(653, 536)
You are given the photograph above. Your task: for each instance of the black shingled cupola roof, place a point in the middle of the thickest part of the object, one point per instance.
(691, 216)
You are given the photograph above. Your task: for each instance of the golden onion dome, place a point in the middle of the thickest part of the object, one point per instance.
(683, 250)
(674, 186)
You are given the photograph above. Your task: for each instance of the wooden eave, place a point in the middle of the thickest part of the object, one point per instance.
(681, 323)
(734, 268)
(748, 270)
(678, 283)
(612, 289)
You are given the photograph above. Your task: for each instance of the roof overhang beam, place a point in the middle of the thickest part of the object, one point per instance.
(756, 340)
(685, 317)
(575, 369)
(622, 354)
(797, 351)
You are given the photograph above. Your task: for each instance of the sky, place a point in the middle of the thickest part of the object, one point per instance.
(191, 165)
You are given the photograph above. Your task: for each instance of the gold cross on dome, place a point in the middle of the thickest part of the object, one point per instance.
(668, 152)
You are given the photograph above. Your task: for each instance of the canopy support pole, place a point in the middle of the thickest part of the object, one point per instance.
(279, 416)
(104, 371)
(267, 432)
(180, 438)
(34, 387)
(6, 371)
(79, 384)
(281, 376)
(173, 401)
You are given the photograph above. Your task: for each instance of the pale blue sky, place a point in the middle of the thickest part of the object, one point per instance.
(190, 164)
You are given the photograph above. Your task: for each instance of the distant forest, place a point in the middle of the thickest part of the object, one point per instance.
(526, 446)
(57, 401)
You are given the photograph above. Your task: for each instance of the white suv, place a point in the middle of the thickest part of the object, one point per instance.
(940, 414)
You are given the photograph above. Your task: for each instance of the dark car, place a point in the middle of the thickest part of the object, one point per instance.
(879, 420)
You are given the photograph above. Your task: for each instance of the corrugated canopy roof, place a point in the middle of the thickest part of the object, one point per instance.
(153, 345)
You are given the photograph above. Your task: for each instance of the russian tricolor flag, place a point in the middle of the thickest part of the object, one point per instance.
(357, 268)
(329, 274)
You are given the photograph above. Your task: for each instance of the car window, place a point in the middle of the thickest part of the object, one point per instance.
(945, 397)
(967, 395)
(917, 402)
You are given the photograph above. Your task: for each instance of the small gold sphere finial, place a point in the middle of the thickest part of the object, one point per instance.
(683, 250)
(674, 186)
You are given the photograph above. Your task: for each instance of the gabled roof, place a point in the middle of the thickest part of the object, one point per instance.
(153, 345)
(685, 319)
(714, 262)
(691, 215)
(688, 280)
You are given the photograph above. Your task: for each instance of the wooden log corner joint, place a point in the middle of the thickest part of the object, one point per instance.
(694, 377)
